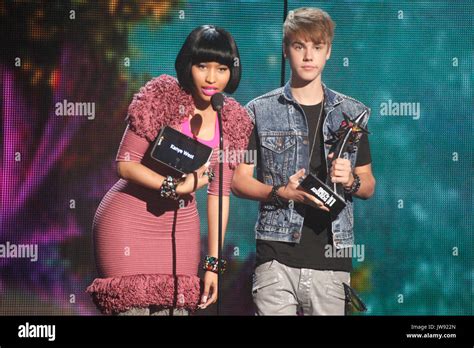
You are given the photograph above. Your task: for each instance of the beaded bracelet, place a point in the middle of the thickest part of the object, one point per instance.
(355, 185)
(210, 173)
(168, 188)
(210, 264)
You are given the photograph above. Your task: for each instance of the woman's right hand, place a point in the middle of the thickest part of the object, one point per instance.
(193, 181)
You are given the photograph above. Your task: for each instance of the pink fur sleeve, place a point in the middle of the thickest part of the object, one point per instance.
(161, 102)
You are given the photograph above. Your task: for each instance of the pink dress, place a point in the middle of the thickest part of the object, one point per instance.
(147, 248)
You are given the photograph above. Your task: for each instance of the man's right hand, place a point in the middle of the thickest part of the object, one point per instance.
(292, 191)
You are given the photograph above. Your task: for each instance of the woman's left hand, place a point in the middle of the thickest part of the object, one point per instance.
(209, 295)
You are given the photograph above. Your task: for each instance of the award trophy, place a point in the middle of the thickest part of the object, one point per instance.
(343, 141)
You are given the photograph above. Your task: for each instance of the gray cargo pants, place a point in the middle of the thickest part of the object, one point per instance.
(281, 290)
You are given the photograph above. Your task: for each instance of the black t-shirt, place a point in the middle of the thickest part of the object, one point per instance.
(316, 232)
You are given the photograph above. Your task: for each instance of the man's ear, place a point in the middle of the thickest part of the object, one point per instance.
(284, 50)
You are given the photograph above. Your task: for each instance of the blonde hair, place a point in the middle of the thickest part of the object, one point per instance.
(311, 23)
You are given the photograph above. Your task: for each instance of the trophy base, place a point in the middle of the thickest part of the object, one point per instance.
(324, 193)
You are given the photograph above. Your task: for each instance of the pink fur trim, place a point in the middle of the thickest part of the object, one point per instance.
(162, 102)
(159, 103)
(237, 127)
(118, 294)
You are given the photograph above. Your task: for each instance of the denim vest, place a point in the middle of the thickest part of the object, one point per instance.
(282, 129)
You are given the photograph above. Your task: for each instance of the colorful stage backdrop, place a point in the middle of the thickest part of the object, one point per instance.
(411, 62)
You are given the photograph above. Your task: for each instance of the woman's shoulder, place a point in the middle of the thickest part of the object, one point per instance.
(163, 82)
(237, 125)
(232, 106)
(159, 102)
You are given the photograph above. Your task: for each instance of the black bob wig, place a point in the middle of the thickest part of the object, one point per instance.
(208, 43)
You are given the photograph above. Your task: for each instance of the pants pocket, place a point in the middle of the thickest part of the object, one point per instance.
(335, 288)
(264, 276)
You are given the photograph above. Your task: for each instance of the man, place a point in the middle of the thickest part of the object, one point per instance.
(292, 125)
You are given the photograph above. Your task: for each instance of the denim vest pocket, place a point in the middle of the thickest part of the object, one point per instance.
(278, 153)
(274, 219)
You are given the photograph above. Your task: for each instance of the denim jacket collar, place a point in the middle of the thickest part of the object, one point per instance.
(331, 99)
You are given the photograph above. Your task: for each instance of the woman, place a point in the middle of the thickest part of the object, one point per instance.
(146, 229)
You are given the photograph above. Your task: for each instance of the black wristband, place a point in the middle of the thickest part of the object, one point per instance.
(275, 199)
